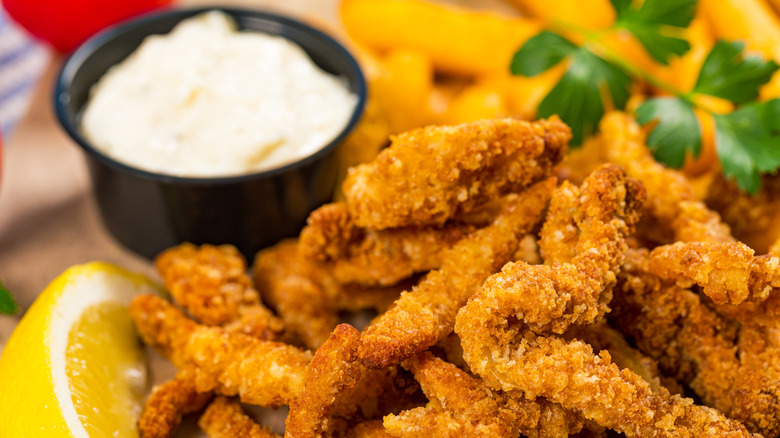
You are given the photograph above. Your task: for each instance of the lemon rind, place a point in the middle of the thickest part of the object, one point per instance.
(89, 284)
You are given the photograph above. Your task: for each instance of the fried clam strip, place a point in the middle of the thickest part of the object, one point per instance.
(337, 386)
(292, 286)
(333, 370)
(167, 404)
(569, 373)
(558, 244)
(728, 273)
(306, 296)
(426, 314)
(264, 373)
(211, 283)
(224, 418)
(603, 337)
(374, 258)
(501, 329)
(756, 390)
(736, 371)
(431, 174)
(462, 406)
(671, 200)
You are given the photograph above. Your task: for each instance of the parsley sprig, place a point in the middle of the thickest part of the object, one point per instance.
(7, 304)
(748, 139)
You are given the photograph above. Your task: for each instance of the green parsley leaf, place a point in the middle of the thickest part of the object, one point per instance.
(728, 74)
(748, 143)
(675, 13)
(677, 132)
(661, 47)
(655, 23)
(577, 97)
(540, 53)
(7, 304)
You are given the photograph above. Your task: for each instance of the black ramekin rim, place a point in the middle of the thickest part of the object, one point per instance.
(72, 62)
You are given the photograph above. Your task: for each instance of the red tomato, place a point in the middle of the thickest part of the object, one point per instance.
(67, 23)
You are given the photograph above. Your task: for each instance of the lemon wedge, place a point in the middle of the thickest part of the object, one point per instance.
(74, 366)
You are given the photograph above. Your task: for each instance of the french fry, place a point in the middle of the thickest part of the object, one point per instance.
(593, 14)
(399, 92)
(403, 89)
(524, 94)
(500, 95)
(457, 41)
(475, 102)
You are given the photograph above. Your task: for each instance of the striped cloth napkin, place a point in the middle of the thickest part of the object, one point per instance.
(23, 60)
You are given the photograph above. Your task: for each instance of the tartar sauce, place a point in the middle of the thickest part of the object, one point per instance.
(207, 100)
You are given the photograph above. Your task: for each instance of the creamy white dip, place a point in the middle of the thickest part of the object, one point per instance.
(207, 100)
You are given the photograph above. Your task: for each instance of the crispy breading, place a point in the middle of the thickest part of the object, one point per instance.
(727, 272)
(671, 324)
(431, 174)
(363, 256)
(505, 328)
(338, 390)
(265, 373)
(571, 289)
(737, 371)
(224, 418)
(258, 321)
(305, 294)
(559, 234)
(211, 283)
(756, 389)
(426, 314)
(164, 408)
(671, 199)
(462, 406)
(369, 429)
(333, 370)
(603, 337)
(461, 202)
(162, 326)
(293, 286)
(583, 244)
(569, 373)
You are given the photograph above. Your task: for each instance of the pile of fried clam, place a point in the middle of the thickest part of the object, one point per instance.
(517, 290)
(515, 296)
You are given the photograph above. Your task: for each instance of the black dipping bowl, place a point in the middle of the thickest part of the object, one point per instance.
(148, 212)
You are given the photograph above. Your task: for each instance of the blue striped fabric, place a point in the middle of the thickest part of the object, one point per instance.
(22, 63)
